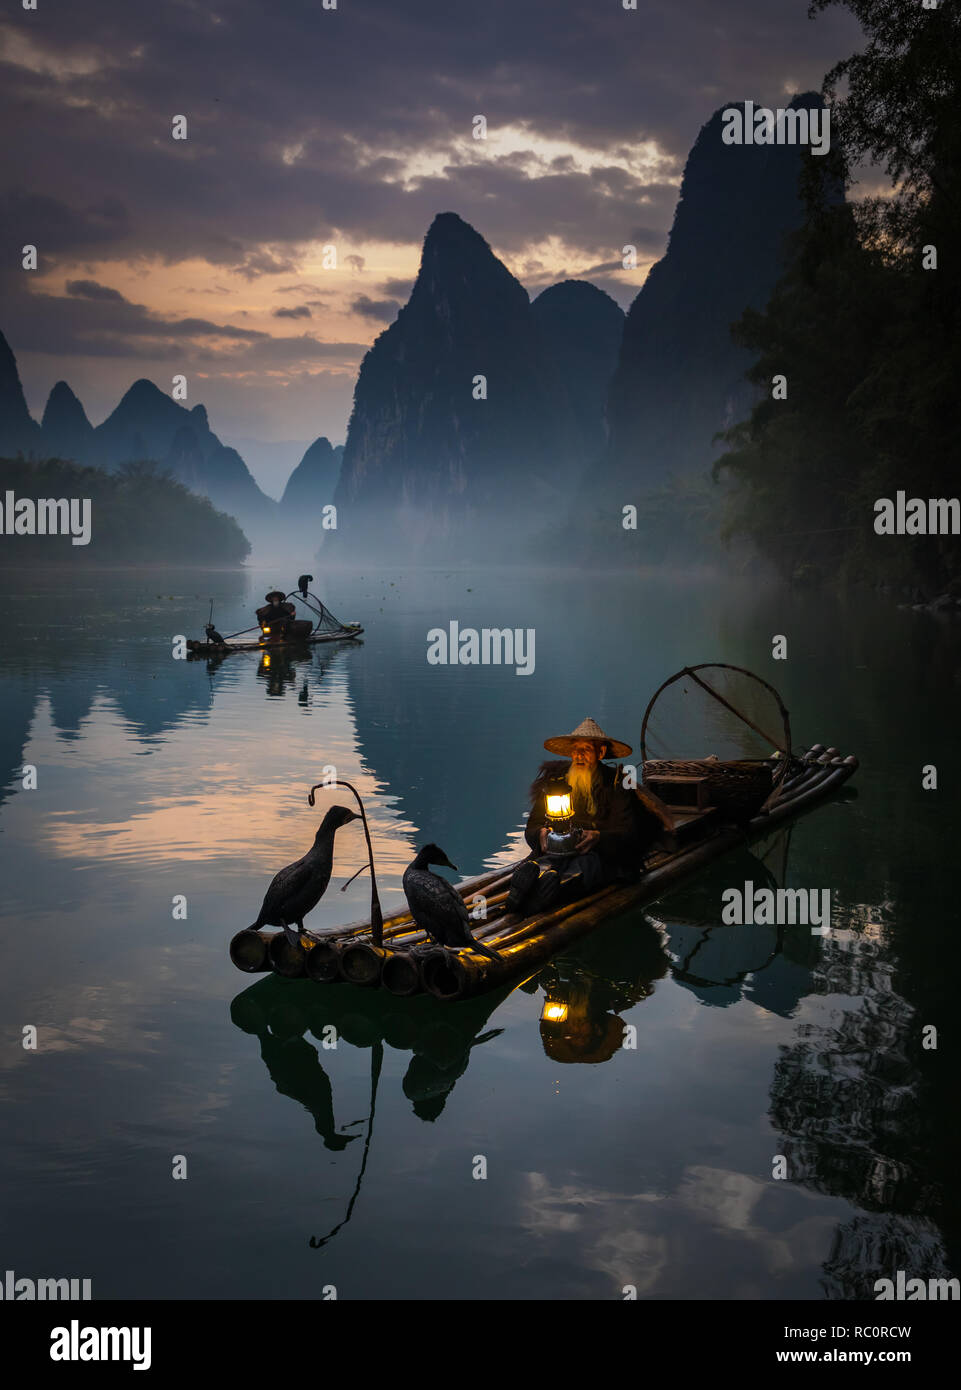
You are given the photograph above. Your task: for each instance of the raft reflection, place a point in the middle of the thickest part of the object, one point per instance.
(440, 1038)
(277, 669)
(586, 990)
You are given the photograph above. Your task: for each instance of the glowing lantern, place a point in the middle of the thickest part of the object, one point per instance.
(559, 806)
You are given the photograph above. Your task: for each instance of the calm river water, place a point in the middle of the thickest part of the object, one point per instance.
(606, 1166)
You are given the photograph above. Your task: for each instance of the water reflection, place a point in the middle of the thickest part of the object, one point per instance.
(723, 964)
(295, 667)
(439, 1037)
(846, 1097)
(279, 672)
(160, 777)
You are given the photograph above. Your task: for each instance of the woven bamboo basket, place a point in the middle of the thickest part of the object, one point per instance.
(739, 787)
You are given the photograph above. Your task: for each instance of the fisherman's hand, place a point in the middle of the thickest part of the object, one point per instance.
(543, 838)
(587, 841)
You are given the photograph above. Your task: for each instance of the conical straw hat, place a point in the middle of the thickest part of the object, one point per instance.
(587, 729)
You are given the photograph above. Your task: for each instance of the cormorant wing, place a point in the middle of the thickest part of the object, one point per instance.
(452, 901)
(435, 906)
(287, 883)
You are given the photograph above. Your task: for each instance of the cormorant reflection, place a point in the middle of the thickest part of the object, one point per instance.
(440, 1037)
(440, 1057)
(292, 1062)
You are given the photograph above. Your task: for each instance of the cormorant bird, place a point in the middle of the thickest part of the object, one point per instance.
(213, 635)
(298, 888)
(437, 907)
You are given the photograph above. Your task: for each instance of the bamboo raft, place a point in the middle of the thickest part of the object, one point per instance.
(349, 633)
(408, 963)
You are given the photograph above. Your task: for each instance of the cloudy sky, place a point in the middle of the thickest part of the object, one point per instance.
(309, 127)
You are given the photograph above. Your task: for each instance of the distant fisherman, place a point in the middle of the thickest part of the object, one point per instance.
(279, 620)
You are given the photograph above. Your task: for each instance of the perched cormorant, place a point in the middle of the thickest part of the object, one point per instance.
(298, 888)
(214, 636)
(437, 907)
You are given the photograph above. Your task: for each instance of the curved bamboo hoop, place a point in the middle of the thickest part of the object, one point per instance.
(785, 748)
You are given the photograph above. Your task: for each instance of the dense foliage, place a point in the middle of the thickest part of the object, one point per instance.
(867, 337)
(139, 515)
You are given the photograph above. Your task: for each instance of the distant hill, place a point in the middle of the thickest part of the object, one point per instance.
(312, 484)
(581, 329)
(19, 432)
(680, 377)
(137, 515)
(147, 425)
(310, 488)
(580, 411)
(65, 431)
(432, 473)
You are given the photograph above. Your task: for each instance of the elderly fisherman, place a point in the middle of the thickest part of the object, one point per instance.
(613, 827)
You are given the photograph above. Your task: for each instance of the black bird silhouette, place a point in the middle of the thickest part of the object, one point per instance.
(299, 887)
(437, 907)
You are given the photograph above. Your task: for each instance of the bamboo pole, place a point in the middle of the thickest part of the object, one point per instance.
(361, 962)
(323, 962)
(727, 705)
(401, 974)
(286, 960)
(248, 951)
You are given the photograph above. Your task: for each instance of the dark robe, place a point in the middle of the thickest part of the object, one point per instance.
(626, 826)
(276, 613)
(627, 830)
(282, 620)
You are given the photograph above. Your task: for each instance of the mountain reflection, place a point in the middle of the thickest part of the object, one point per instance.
(846, 1097)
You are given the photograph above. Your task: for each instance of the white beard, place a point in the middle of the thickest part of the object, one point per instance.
(583, 781)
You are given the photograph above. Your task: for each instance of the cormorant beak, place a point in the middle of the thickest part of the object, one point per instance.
(354, 815)
(449, 865)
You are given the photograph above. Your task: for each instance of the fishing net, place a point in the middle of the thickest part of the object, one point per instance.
(715, 734)
(325, 620)
(325, 623)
